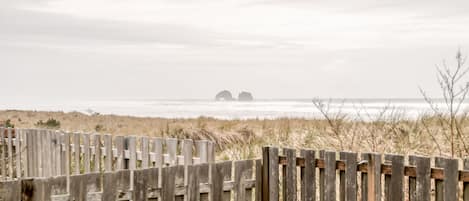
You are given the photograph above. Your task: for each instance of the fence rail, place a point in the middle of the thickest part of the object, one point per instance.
(46, 153)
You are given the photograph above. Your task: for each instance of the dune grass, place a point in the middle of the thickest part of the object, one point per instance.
(238, 139)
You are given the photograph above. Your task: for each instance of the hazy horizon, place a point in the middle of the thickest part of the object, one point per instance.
(66, 49)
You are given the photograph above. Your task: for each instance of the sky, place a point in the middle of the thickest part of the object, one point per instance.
(181, 49)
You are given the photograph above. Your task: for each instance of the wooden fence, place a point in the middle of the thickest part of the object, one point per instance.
(306, 175)
(331, 176)
(46, 153)
(209, 181)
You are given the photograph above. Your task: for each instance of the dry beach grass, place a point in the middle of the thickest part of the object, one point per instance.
(244, 138)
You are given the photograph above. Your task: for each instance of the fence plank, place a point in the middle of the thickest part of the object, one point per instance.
(109, 156)
(3, 158)
(349, 177)
(145, 151)
(259, 174)
(270, 174)
(63, 145)
(448, 189)
(10, 152)
(171, 148)
(29, 154)
(220, 172)
(330, 176)
(115, 184)
(466, 184)
(308, 176)
(193, 184)
(321, 177)
(289, 175)
(46, 156)
(77, 150)
(169, 182)
(158, 150)
(97, 153)
(202, 146)
(133, 152)
(187, 153)
(374, 177)
(396, 181)
(86, 153)
(144, 180)
(18, 152)
(119, 140)
(242, 172)
(58, 152)
(68, 156)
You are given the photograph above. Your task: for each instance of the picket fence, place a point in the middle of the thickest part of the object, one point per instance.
(47, 153)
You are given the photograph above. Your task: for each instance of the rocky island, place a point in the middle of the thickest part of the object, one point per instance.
(226, 95)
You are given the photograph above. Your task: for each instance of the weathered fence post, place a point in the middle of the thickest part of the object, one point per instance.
(308, 176)
(348, 178)
(395, 184)
(447, 189)
(419, 187)
(466, 184)
(270, 174)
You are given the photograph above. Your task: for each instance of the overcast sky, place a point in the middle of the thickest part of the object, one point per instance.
(176, 49)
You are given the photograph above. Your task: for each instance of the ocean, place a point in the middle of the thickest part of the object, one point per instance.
(260, 109)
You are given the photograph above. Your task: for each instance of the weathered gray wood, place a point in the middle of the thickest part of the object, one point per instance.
(108, 149)
(171, 148)
(187, 153)
(10, 190)
(202, 146)
(396, 182)
(203, 178)
(81, 185)
(270, 172)
(289, 176)
(76, 150)
(329, 176)
(419, 187)
(220, 172)
(466, 184)
(364, 179)
(210, 152)
(374, 177)
(86, 153)
(62, 144)
(308, 176)
(448, 189)
(144, 145)
(259, 175)
(243, 171)
(133, 153)
(193, 184)
(169, 182)
(144, 180)
(68, 157)
(10, 152)
(3, 158)
(18, 152)
(58, 153)
(52, 154)
(349, 177)
(29, 154)
(97, 153)
(115, 184)
(119, 140)
(158, 150)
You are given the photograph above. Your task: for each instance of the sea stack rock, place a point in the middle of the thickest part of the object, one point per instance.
(245, 96)
(224, 95)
